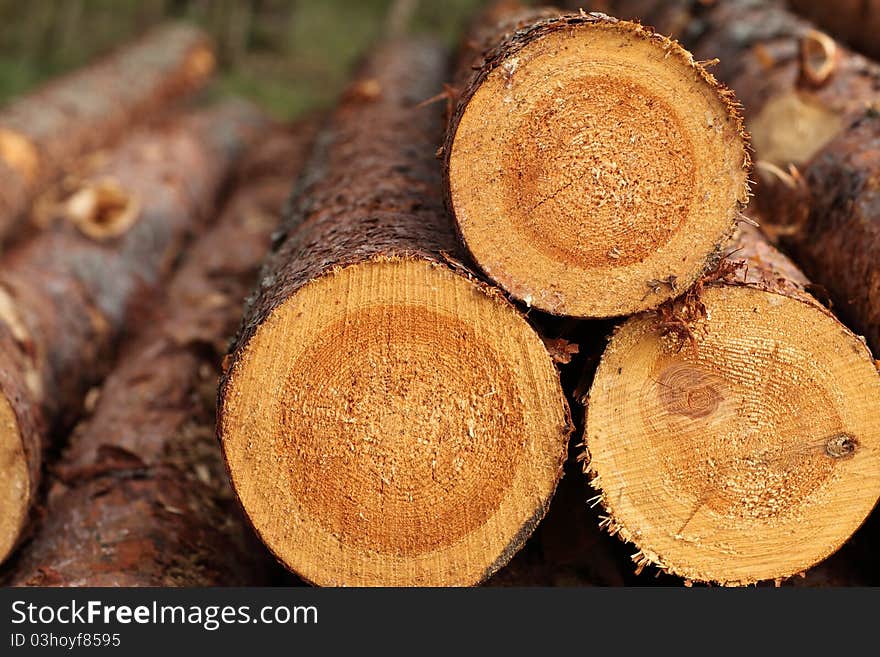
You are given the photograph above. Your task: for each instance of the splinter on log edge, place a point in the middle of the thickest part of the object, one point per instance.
(594, 169)
(66, 295)
(732, 435)
(386, 418)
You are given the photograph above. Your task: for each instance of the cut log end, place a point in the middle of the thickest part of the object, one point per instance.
(20, 154)
(15, 475)
(393, 423)
(791, 128)
(199, 64)
(617, 162)
(711, 457)
(102, 209)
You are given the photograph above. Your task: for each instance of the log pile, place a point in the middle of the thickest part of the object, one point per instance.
(481, 342)
(141, 486)
(68, 294)
(43, 133)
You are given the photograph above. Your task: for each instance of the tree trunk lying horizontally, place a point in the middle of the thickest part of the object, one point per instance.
(855, 21)
(386, 418)
(813, 105)
(733, 434)
(66, 295)
(141, 497)
(593, 167)
(44, 132)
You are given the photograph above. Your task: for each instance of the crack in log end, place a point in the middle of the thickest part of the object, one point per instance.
(841, 446)
(102, 210)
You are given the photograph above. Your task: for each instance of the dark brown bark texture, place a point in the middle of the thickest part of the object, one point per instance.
(141, 497)
(68, 297)
(830, 218)
(839, 242)
(855, 21)
(371, 189)
(496, 23)
(43, 133)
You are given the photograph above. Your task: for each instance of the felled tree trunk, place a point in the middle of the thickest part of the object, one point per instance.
(386, 418)
(141, 497)
(593, 167)
(44, 132)
(66, 296)
(733, 435)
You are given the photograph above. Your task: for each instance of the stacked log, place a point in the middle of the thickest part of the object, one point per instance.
(141, 497)
(67, 295)
(594, 169)
(386, 417)
(732, 435)
(855, 21)
(395, 407)
(43, 133)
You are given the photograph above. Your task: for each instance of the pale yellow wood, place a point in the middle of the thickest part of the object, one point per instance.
(393, 423)
(15, 477)
(791, 128)
(754, 458)
(595, 172)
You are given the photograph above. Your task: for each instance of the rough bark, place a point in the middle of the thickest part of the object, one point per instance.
(754, 402)
(141, 497)
(838, 244)
(44, 132)
(69, 293)
(855, 21)
(535, 152)
(355, 171)
(810, 104)
(496, 23)
(370, 206)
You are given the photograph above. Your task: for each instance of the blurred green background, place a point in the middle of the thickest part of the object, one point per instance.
(288, 55)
